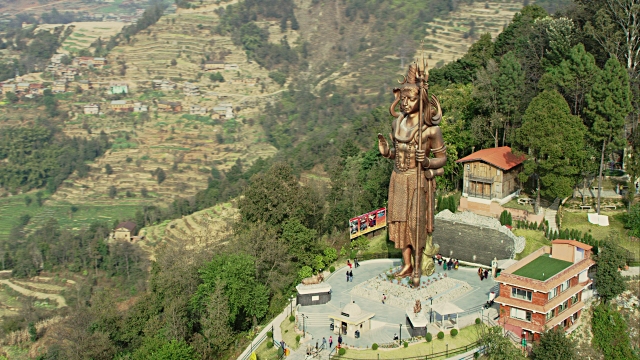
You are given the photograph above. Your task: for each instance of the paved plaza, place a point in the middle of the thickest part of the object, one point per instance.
(387, 319)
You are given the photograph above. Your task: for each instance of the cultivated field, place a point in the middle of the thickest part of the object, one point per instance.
(446, 40)
(85, 33)
(202, 228)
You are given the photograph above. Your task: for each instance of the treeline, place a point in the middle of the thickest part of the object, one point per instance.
(238, 20)
(87, 251)
(201, 302)
(56, 17)
(37, 156)
(36, 49)
(222, 187)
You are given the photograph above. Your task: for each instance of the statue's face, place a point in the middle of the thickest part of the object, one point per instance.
(409, 101)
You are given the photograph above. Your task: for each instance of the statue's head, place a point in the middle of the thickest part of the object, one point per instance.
(407, 95)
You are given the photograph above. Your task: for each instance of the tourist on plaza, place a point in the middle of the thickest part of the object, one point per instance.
(316, 345)
(480, 273)
(347, 275)
(444, 265)
(330, 341)
(486, 273)
(349, 263)
(324, 342)
(456, 264)
(351, 275)
(439, 257)
(356, 263)
(450, 264)
(339, 340)
(384, 297)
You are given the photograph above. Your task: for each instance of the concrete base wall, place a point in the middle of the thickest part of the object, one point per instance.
(472, 243)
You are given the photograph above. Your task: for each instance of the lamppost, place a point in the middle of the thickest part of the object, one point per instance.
(400, 333)
(291, 304)
(304, 334)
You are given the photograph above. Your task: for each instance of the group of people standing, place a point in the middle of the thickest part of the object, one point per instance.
(452, 264)
(350, 265)
(483, 274)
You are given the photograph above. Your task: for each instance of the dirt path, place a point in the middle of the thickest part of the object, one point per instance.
(26, 292)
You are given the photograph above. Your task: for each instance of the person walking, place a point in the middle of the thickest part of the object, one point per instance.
(486, 273)
(339, 340)
(351, 275)
(480, 273)
(347, 275)
(324, 342)
(384, 297)
(349, 264)
(330, 342)
(316, 345)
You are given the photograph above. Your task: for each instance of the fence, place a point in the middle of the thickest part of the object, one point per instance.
(256, 343)
(442, 354)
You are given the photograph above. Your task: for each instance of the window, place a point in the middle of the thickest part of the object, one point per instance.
(467, 166)
(574, 299)
(498, 172)
(550, 314)
(563, 306)
(521, 294)
(553, 293)
(520, 314)
(565, 285)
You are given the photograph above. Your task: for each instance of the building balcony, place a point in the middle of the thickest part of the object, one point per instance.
(482, 179)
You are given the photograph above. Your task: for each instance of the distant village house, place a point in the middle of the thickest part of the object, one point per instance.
(125, 231)
(169, 106)
(197, 110)
(213, 65)
(59, 86)
(191, 89)
(91, 109)
(121, 105)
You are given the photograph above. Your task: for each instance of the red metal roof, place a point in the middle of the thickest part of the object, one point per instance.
(500, 157)
(574, 243)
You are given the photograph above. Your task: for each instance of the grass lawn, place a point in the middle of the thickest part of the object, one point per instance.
(535, 240)
(266, 354)
(513, 204)
(289, 334)
(379, 245)
(542, 268)
(579, 221)
(466, 336)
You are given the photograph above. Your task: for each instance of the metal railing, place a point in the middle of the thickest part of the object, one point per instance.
(442, 354)
(256, 343)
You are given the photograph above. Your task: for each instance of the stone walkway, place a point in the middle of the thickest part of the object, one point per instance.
(387, 319)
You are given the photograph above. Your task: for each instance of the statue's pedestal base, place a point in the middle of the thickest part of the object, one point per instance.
(400, 292)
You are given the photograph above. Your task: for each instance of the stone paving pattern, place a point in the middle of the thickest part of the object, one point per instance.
(387, 319)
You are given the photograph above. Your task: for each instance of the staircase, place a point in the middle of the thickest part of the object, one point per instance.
(550, 214)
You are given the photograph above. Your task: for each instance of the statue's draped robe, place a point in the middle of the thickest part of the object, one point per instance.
(404, 194)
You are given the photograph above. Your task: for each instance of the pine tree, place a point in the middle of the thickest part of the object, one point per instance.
(510, 81)
(607, 106)
(554, 142)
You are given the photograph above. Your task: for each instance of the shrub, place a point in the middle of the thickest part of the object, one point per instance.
(332, 268)
(292, 318)
(478, 321)
(374, 346)
(269, 334)
(342, 351)
(269, 344)
(428, 337)
(406, 344)
(454, 332)
(440, 335)
(297, 338)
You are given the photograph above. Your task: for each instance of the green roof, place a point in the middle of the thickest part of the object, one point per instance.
(542, 268)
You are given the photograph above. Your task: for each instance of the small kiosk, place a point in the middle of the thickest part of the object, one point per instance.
(315, 294)
(352, 321)
(417, 322)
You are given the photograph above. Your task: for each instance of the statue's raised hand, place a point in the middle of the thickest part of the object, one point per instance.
(383, 146)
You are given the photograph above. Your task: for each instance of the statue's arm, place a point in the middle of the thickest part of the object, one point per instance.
(439, 151)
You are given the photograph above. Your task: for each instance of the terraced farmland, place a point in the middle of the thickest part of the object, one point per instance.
(202, 228)
(448, 39)
(85, 33)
